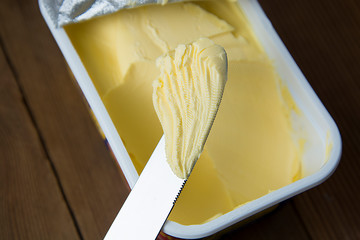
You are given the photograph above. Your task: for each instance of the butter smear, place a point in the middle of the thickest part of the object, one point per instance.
(186, 97)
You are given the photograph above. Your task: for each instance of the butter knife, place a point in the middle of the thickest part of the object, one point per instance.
(150, 201)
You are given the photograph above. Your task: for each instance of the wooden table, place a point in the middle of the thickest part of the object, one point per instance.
(58, 180)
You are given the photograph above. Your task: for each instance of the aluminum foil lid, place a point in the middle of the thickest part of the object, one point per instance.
(64, 12)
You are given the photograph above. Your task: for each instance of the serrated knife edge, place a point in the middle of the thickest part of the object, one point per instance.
(150, 201)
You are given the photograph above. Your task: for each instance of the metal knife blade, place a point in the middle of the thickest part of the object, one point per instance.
(150, 201)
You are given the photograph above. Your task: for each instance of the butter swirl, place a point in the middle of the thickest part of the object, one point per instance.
(186, 97)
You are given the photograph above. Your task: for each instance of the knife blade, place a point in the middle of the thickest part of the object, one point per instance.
(149, 203)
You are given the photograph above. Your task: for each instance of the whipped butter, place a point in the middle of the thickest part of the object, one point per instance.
(250, 150)
(186, 98)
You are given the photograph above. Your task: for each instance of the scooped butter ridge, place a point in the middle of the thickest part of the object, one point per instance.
(186, 97)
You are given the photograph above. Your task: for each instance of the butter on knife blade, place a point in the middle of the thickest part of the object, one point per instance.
(186, 97)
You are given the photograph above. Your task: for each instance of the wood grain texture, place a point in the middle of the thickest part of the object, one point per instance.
(31, 203)
(324, 39)
(90, 179)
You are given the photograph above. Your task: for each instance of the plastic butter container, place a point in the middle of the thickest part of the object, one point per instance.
(322, 148)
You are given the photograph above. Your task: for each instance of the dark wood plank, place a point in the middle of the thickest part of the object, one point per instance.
(31, 203)
(92, 184)
(323, 37)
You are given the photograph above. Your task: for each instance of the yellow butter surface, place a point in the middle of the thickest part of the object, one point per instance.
(250, 150)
